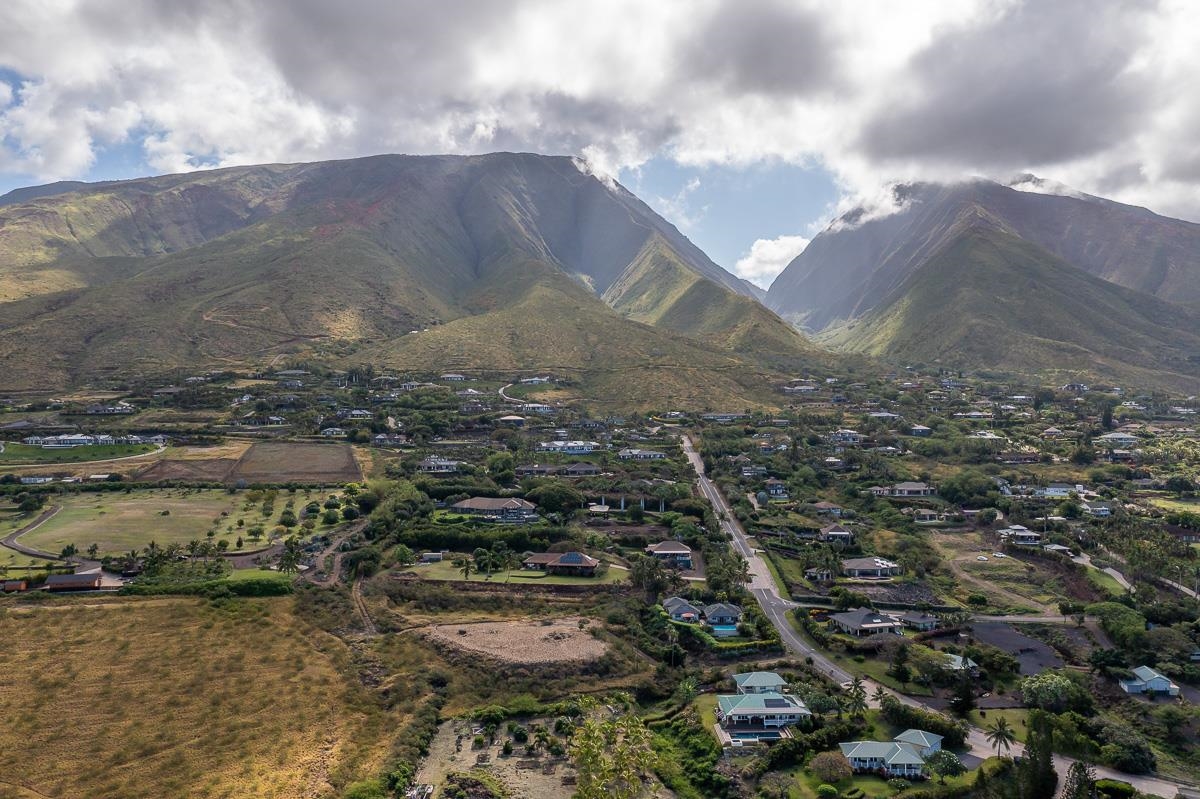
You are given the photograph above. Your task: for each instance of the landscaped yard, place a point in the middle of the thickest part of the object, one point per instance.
(16, 454)
(118, 522)
(1017, 717)
(446, 570)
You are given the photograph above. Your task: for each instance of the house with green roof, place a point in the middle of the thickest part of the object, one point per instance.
(759, 682)
(903, 756)
(750, 718)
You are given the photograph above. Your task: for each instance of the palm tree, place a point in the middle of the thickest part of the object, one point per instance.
(1001, 735)
(878, 695)
(857, 702)
(466, 566)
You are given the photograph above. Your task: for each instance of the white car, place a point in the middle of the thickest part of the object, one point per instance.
(999, 555)
(981, 557)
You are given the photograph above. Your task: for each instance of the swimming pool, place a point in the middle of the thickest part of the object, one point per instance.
(724, 630)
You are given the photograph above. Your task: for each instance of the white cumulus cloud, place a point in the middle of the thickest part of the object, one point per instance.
(767, 258)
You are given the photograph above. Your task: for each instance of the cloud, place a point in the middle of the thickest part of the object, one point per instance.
(1093, 95)
(767, 258)
(678, 207)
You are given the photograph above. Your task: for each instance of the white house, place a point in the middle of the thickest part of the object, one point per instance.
(761, 711)
(1148, 681)
(568, 447)
(635, 454)
(1022, 536)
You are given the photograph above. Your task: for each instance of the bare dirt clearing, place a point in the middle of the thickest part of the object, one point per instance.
(526, 641)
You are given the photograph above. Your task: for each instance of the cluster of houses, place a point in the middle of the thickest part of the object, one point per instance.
(722, 617)
(72, 440)
(762, 710)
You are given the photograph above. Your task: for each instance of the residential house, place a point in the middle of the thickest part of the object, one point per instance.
(722, 613)
(846, 438)
(333, 432)
(569, 447)
(776, 489)
(836, 533)
(679, 609)
(890, 758)
(1059, 491)
(754, 471)
(759, 682)
(958, 663)
(571, 564)
(1114, 440)
(580, 470)
(634, 454)
(871, 567)
(1099, 510)
(862, 622)
(827, 509)
(921, 622)
(723, 418)
(760, 716)
(1148, 681)
(437, 465)
(512, 420)
(673, 553)
(894, 758)
(509, 510)
(1021, 536)
(920, 430)
(926, 742)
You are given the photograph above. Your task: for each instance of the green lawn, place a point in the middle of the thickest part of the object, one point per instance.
(119, 522)
(1018, 718)
(238, 575)
(1169, 504)
(15, 454)
(877, 671)
(1105, 582)
(446, 570)
(804, 785)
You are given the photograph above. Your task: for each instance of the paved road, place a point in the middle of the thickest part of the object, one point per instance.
(776, 607)
(507, 398)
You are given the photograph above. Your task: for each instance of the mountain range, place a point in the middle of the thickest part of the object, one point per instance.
(1006, 278)
(517, 262)
(499, 262)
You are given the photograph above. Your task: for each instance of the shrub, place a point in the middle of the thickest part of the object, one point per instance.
(831, 767)
(826, 791)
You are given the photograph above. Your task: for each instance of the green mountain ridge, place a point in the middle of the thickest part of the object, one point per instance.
(245, 265)
(987, 298)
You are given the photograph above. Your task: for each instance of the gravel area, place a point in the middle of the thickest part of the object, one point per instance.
(526, 641)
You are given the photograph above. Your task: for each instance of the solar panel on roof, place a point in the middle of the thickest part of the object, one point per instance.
(776, 703)
(571, 557)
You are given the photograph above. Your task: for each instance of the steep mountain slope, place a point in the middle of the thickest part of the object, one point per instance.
(989, 299)
(849, 268)
(240, 265)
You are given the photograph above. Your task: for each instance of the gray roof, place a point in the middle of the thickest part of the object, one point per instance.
(919, 737)
(722, 609)
(769, 702)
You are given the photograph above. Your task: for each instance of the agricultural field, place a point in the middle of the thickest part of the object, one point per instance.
(22, 454)
(119, 522)
(176, 697)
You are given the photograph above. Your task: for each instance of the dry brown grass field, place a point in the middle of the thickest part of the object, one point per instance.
(178, 697)
(287, 461)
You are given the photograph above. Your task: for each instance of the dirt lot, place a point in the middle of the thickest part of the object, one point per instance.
(526, 641)
(285, 461)
(1033, 655)
(261, 462)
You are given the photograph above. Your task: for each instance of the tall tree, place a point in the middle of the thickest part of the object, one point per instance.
(1080, 782)
(1001, 735)
(289, 558)
(856, 703)
(1036, 775)
(945, 763)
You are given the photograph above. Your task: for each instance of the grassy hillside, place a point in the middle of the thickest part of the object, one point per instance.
(237, 267)
(549, 322)
(988, 299)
